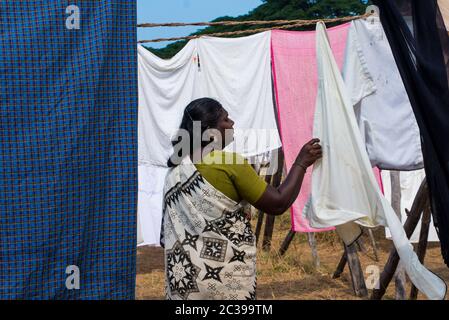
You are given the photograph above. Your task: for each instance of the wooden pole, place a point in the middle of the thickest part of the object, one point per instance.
(420, 202)
(351, 258)
(260, 214)
(361, 245)
(341, 266)
(268, 232)
(312, 244)
(357, 276)
(373, 244)
(276, 179)
(399, 279)
(269, 222)
(422, 245)
(286, 243)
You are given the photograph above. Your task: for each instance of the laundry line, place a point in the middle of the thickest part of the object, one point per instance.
(285, 24)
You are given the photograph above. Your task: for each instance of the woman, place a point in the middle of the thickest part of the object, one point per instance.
(210, 250)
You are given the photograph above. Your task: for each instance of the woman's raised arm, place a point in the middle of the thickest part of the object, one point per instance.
(276, 201)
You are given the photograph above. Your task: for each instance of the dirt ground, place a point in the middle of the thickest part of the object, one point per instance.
(293, 276)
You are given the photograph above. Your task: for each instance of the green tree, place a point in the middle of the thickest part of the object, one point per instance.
(278, 10)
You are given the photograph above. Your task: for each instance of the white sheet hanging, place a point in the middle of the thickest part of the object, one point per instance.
(237, 72)
(149, 204)
(410, 182)
(384, 114)
(166, 87)
(344, 189)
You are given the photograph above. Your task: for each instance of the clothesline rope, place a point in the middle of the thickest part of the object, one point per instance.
(290, 24)
(222, 23)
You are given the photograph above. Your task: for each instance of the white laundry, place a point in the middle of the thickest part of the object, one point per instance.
(344, 188)
(410, 182)
(384, 114)
(166, 87)
(149, 204)
(237, 72)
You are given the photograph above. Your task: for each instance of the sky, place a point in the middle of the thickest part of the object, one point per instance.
(185, 11)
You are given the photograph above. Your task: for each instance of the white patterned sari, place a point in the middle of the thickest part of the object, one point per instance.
(210, 250)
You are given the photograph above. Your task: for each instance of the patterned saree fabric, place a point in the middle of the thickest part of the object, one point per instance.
(210, 249)
(344, 187)
(68, 149)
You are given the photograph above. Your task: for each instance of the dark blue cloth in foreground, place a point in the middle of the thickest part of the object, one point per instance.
(68, 149)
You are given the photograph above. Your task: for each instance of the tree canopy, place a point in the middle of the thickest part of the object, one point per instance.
(277, 10)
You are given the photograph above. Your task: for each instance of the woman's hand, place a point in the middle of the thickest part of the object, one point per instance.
(276, 201)
(309, 153)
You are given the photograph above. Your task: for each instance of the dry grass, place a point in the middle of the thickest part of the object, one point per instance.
(292, 276)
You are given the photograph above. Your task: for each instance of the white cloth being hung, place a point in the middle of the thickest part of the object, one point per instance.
(384, 114)
(237, 72)
(344, 189)
(410, 181)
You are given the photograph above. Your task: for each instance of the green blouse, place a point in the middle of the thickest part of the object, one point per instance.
(231, 174)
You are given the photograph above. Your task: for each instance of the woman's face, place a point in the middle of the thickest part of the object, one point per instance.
(226, 127)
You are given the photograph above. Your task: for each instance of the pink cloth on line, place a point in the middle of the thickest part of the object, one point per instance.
(296, 83)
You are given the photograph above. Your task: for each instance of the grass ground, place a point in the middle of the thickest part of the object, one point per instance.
(292, 276)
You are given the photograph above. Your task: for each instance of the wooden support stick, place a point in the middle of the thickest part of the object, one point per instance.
(341, 266)
(312, 244)
(269, 222)
(357, 276)
(286, 243)
(399, 279)
(260, 215)
(268, 232)
(361, 245)
(373, 244)
(420, 202)
(422, 245)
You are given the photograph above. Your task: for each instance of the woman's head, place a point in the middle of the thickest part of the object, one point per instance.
(204, 120)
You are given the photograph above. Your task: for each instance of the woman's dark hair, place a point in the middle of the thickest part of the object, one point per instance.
(205, 110)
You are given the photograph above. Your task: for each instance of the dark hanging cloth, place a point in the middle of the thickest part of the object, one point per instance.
(68, 149)
(422, 55)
